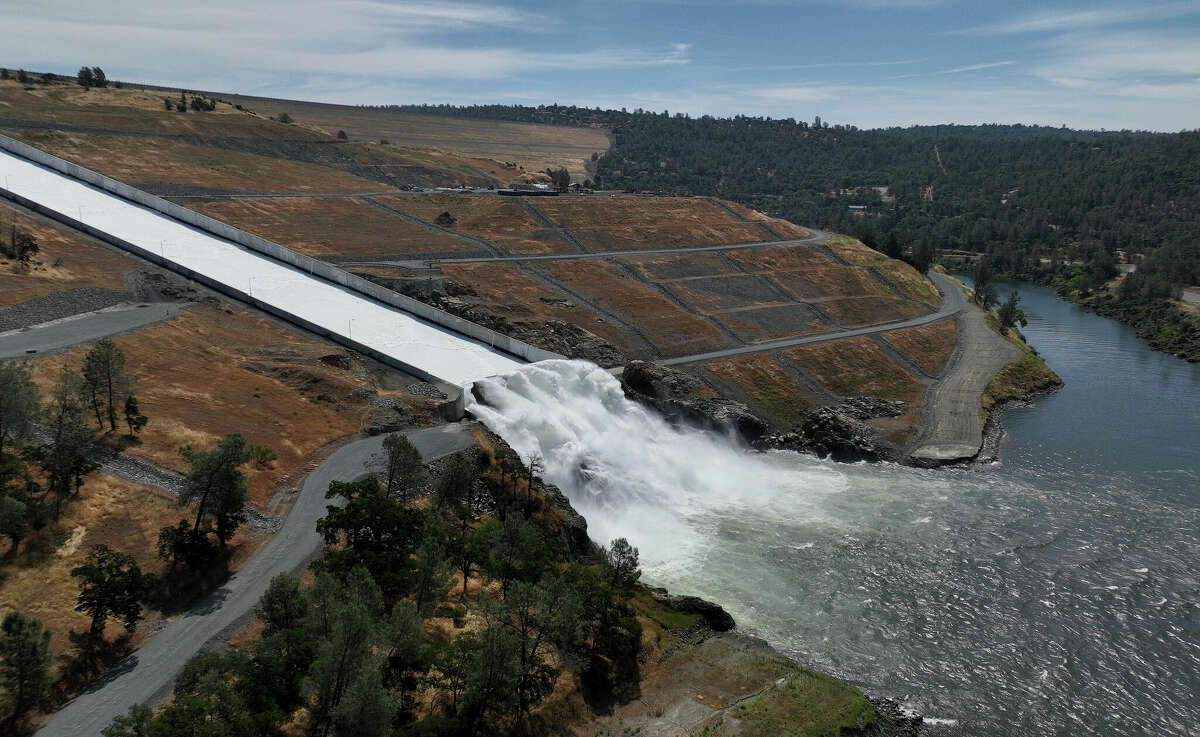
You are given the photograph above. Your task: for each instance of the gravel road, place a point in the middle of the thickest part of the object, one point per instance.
(952, 425)
(146, 675)
(952, 304)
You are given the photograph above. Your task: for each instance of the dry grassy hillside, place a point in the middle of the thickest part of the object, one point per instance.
(532, 145)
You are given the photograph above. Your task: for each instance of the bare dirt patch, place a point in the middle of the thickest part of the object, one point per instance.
(928, 346)
(856, 367)
(209, 373)
(66, 261)
(759, 324)
(109, 511)
(169, 161)
(651, 222)
(532, 145)
(673, 331)
(766, 383)
(504, 290)
(498, 220)
(333, 226)
(870, 310)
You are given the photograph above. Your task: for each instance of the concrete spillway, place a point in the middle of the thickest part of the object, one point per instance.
(332, 309)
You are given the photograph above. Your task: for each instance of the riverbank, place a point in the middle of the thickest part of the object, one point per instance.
(1166, 325)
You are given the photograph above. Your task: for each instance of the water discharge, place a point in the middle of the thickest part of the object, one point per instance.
(1057, 592)
(627, 470)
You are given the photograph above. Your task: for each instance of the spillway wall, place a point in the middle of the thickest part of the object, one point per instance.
(313, 266)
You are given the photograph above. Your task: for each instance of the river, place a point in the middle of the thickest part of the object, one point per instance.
(1055, 592)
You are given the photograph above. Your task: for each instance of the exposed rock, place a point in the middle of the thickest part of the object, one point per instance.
(831, 434)
(668, 391)
(568, 340)
(892, 721)
(337, 360)
(572, 527)
(425, 389)
(716, 618)
(389, 415)
(657, 381)
(867, 408)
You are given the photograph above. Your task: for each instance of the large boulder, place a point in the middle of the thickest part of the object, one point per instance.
(829, 433)
(714, 616)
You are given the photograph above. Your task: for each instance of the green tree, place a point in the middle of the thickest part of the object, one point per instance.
(110, 585)
(621, 565)
(348, 616)
(403, 470)
(560, 178)
(283, 606)
(517, 550)
(433, 570)
(373, 530)
(217, 485)
(923, 254)
(14, 521)
(136, 723)
(107, 384)
(134, 418)
(406, 656)
(66, 460)
(892, 246)
(366, 709)
(985, 288)
(1010, 313)
(18, 402)
(24, 661)
(85, 77)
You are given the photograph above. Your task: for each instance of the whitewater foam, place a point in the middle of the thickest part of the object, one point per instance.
(628, 471)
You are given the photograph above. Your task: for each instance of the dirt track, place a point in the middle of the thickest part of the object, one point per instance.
(952, 424)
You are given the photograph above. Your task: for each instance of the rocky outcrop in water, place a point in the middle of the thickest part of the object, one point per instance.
(714, 616)
(671, 393)
(829, 432)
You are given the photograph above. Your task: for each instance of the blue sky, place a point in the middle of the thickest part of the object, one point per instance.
(864, 62)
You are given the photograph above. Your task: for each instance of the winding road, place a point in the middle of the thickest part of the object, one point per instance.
(146, 675)
(815, 236)
(952, 303)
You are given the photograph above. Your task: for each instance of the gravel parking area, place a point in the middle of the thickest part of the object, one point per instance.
(59, 305)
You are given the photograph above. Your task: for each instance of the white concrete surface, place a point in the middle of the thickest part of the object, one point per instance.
(390, 331)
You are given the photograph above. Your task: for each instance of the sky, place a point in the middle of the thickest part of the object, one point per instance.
(870, 63)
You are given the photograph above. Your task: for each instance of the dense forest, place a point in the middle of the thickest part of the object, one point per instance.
(1054, 205)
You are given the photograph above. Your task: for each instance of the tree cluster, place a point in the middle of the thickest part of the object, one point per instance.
(351, 654)
(20, 246)
(89, 77)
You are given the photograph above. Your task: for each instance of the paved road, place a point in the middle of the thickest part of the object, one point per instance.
(952, 428)
(952, 304)
(815, 236)
(147, 674)
(89, 326)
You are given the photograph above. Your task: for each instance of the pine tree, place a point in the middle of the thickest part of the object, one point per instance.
(24, 661)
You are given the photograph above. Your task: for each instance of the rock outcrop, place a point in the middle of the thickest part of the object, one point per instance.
(672, 394)
(828, 432)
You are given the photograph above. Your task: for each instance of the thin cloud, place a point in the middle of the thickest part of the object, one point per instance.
(959, 70)
(1072, 20)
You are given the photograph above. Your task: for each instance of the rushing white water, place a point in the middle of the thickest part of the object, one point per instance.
(628, 471)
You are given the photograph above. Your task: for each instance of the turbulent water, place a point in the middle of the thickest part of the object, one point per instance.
(1054, 593)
